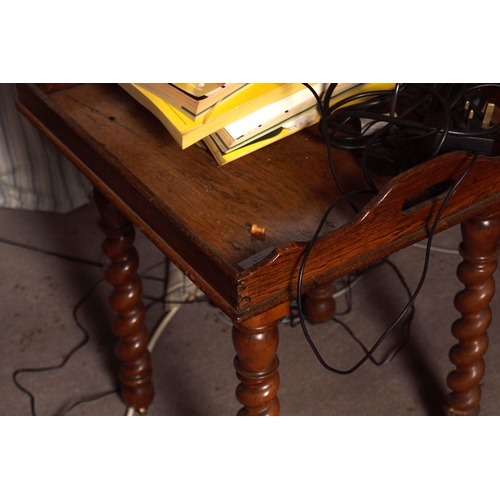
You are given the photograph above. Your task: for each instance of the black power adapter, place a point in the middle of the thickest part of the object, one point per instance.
(468, 131)
(395, 131)
(485, 145)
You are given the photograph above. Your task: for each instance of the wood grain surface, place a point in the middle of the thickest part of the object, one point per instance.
(200, 213)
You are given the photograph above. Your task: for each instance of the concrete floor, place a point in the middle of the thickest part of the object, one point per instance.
(192, 360)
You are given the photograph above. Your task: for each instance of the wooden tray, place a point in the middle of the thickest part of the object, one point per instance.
(199, 213)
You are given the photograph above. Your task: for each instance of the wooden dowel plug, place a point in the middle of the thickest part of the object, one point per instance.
(257, 230)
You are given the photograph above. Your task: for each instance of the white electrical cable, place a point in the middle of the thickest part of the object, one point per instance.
(214, 310)
(436, 249)
(154, 338)
(344, 290)
(161, 327)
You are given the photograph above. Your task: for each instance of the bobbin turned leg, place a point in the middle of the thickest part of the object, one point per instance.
(479, 251)
(135, 371)
(319, 304)
(256, 362)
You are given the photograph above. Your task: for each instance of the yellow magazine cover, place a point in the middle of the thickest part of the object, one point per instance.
(265, 119)
(284, 129)
(187, 131)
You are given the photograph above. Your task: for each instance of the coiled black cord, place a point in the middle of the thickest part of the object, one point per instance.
(406, 126)
(409, 305)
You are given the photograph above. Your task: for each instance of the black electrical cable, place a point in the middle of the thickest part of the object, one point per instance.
(393, 353)
(346, 110)
(86, 336)
(349, 300)
(338, 111)
(73, 351)
(74, 259)
(401, 122)
(339, 107)
(471, 88)
(396, 130)
(447, 110)
(374, 102)
(50, 252)
(408, 305)
(322, 106)
(345, 291)
(348, 293)
(66, 358)
(89, 399)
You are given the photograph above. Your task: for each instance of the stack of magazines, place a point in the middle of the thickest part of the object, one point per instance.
(235, 119)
